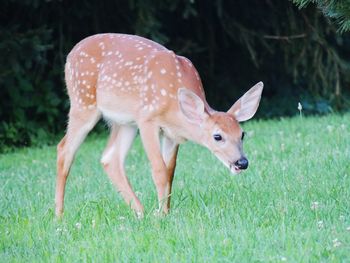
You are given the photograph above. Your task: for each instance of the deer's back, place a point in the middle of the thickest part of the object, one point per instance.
(127, 77)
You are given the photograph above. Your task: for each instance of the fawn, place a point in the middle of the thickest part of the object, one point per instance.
(137, 84)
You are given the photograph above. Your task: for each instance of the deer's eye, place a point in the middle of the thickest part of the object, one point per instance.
(242, 137)
(217, 137)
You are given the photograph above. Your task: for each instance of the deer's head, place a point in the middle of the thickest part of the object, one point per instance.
(220, 132)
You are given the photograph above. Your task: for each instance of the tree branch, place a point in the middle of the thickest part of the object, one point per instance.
(286, 38)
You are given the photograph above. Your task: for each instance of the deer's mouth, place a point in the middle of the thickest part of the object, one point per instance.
(234, 168)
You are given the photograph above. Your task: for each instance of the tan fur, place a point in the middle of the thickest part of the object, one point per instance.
(135, 84)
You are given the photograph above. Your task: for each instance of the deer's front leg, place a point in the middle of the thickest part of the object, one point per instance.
(150, 139)
(169, 152)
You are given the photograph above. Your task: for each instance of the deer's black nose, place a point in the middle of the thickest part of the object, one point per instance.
(242, 163)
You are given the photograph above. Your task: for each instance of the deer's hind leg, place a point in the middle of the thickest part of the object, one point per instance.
(79, 125)
(113, 160)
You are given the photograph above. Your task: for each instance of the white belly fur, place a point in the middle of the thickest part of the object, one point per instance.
(121, 118)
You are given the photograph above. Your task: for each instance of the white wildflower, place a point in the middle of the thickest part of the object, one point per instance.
(320, 224)
(315, 205)
(300, 107)
(336, 242)
(78, 225)
(139, 215)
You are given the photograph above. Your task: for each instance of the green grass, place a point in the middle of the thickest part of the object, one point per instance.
(292, 204)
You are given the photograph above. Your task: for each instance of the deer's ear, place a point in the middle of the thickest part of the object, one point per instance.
(246, 106)
(191, 106)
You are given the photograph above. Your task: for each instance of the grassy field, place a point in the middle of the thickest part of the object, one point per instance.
(292, 204)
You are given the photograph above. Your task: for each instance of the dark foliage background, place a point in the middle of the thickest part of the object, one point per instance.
(301, 55)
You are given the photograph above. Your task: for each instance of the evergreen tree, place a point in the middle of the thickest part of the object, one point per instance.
(339, 10)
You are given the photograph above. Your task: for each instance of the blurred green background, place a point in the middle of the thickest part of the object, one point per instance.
(300, 49)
